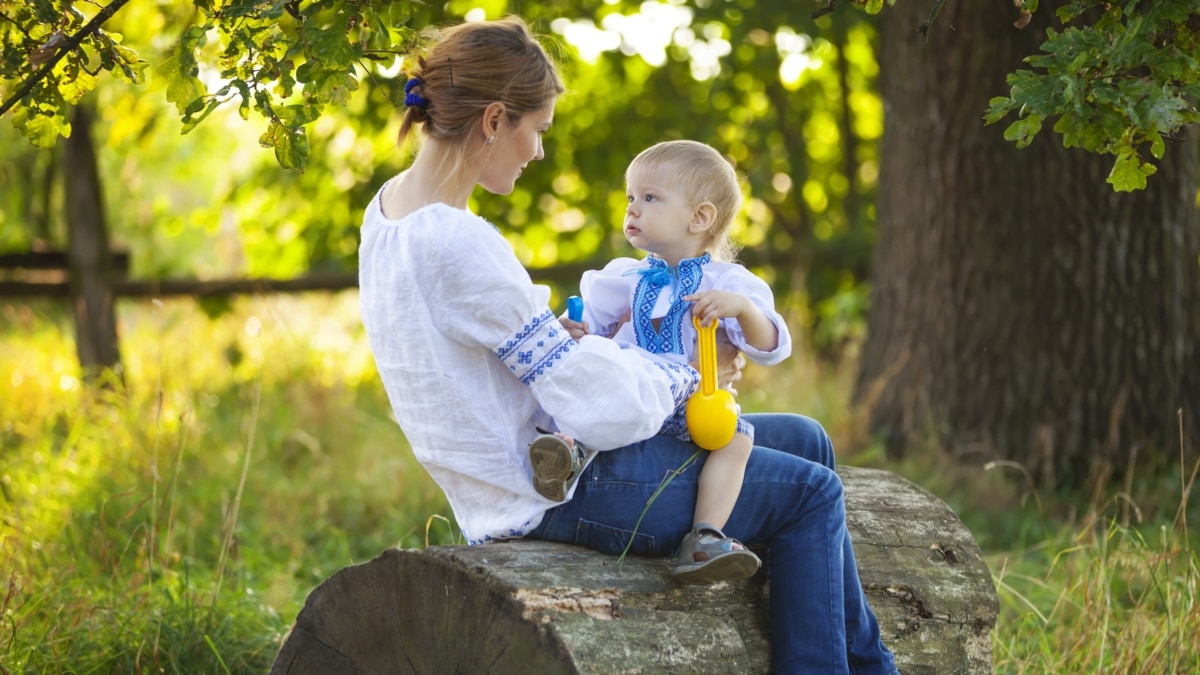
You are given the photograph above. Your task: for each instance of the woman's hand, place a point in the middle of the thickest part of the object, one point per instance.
(730, 362)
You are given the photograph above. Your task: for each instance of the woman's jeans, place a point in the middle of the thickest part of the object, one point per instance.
(791, 502)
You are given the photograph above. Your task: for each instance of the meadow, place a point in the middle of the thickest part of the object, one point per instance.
(173, 518)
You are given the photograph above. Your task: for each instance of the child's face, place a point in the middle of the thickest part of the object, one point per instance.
(659, 218)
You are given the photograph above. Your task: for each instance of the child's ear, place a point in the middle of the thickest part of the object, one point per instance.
(704, 217)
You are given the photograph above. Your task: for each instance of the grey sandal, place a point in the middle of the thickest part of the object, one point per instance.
(556, 465)
(707, 556)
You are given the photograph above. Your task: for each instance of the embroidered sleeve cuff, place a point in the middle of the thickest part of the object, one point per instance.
(684, 380)
(536, 348)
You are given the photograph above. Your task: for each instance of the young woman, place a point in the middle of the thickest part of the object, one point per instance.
(474, 360)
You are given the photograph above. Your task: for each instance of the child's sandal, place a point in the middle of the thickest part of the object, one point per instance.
(707, 556)
(556, 465)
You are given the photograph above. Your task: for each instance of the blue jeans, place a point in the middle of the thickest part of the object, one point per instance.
(791, 502)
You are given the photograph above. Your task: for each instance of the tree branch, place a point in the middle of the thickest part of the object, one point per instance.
(72, 43)
(923, 29)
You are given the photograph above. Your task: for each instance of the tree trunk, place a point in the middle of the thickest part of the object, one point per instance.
(538, 607)
(1021, 307)
(88, 258)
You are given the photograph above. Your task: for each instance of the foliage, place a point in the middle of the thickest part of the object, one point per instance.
(791, 101)
(1118, 82)
(262, 51)
(1119, 76)
(56, 54)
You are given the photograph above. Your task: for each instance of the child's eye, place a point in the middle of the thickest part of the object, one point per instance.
(629, 198)
(651, 198)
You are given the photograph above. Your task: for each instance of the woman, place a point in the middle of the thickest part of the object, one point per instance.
(474, 361)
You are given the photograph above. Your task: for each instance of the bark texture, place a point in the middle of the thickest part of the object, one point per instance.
(537, 607)
(1022, 308)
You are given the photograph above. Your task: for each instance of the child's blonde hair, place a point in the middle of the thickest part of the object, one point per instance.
(702, 175)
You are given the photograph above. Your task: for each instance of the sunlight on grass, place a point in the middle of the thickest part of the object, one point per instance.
(175, 520)
(121, 539)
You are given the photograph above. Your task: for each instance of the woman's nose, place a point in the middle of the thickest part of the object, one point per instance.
(540, 150)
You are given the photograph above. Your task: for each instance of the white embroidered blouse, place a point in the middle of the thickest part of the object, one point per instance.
(650, 293)
(660, 322)
(472, 359)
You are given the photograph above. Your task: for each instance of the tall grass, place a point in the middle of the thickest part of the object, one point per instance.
(175, 520)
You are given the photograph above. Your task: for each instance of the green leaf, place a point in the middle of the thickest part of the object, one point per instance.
(998, 107)
(1157, 146)
(132, 66)
(75, 88)
(1129, 172)
(182, 88)
(292, 116)
(336, 88)
(43, 131)
(192, 119)
(1024, 130)
(291, 149)
(333, 48)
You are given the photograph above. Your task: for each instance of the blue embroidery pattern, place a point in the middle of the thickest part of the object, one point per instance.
(535, 348)
(684, 382)
(513, 533)
(668, 338)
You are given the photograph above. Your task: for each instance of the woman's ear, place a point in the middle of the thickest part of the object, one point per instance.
(493, 114)
(703, 218)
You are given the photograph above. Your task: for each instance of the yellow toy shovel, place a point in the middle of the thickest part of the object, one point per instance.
(711, 412)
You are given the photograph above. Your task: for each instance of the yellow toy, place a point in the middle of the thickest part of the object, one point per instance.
(711, 412)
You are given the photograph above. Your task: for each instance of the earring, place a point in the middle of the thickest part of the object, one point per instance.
(491, 139)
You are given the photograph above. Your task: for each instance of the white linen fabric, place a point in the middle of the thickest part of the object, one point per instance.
(472, 359)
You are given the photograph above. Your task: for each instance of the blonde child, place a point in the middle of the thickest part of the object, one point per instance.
(682, 199)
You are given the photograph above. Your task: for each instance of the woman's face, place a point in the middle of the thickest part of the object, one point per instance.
(514, 148)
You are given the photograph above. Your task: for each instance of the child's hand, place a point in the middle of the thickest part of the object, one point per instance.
(707, 306)
(576, 329)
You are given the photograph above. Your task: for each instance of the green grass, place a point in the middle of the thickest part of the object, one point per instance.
(175, 521)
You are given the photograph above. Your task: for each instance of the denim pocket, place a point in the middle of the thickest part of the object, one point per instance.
(608, 539)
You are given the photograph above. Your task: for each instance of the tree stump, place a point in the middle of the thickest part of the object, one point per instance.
(539, 607)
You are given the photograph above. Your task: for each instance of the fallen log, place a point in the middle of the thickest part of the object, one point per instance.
(539, 607)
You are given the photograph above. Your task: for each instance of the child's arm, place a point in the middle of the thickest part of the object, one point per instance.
(757, 327)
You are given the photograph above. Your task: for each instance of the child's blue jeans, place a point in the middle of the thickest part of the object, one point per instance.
(791, 501)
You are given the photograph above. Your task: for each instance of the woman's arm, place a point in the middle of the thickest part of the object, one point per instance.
(596, 391)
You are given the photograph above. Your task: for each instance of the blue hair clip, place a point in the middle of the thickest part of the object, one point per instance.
(411, 99)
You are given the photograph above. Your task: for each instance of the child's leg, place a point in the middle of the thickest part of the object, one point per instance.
(706, 554)
(721, 482)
